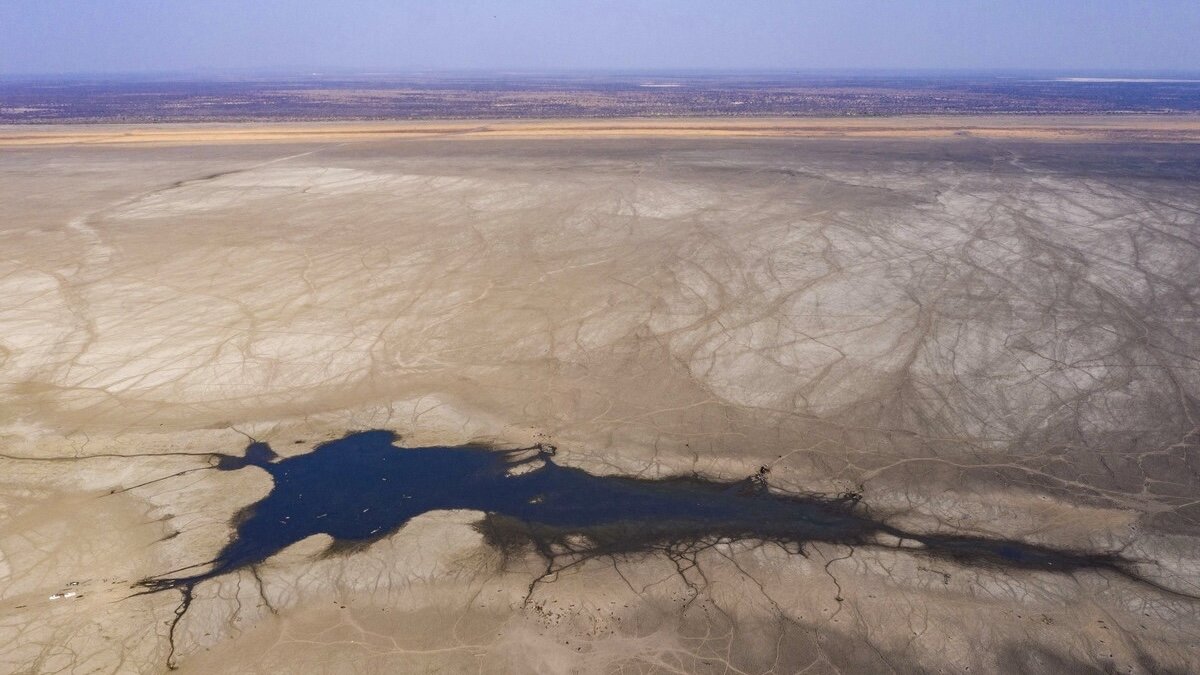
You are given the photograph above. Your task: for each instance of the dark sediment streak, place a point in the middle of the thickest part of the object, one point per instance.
(362, 488)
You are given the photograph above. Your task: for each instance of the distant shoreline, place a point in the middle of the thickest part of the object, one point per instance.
(1092, 128)
(538, 99)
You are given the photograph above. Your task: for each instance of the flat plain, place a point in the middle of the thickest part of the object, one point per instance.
(968, 335)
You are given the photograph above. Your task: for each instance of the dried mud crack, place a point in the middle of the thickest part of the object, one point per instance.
(969, 367)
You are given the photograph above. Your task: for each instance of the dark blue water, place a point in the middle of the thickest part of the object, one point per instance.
(362, 488)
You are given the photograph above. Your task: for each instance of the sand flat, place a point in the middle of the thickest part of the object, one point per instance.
(981, 337)
(1166, 128)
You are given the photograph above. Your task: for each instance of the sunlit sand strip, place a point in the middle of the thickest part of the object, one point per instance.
(1116, 127)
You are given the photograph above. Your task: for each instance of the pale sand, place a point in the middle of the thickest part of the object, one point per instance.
(1167, 128)
(994, 337)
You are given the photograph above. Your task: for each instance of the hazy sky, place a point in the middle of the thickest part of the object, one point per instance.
(98, 36)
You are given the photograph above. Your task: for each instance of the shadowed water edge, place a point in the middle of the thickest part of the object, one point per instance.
(362, 488)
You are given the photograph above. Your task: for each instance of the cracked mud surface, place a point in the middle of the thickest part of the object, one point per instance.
(978, 340)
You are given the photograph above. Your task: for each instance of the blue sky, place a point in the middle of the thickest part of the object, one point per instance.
(147, 36)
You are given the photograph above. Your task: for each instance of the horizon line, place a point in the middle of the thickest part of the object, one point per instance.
(683, 73)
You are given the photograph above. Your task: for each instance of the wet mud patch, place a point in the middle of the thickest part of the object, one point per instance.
(362, 488)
